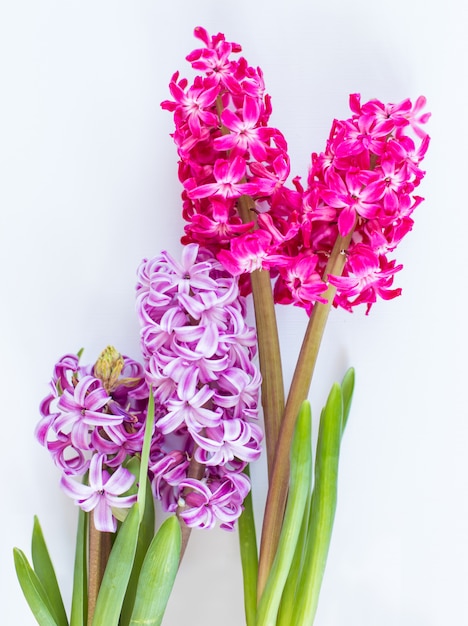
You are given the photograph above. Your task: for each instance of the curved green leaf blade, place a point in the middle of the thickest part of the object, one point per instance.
(249, 557)
(347, 388)
(119, 566)
(79, 610)
(288, 598)
(157, 575)
(145, 536)
(45, 572)
(147, 515)
(33, 590)
(299, 490)
(323, 506)
(145, 452)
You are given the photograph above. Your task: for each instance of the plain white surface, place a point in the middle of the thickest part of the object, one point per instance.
(89, 187)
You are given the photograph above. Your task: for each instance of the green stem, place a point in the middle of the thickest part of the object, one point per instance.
(278, 490)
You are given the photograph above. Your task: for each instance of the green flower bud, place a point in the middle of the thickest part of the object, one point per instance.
(108, 367)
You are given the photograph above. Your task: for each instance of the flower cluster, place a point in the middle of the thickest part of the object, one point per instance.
(92, 420)
(364, 182)
(198, 352)
(361, 185)
(226, 148)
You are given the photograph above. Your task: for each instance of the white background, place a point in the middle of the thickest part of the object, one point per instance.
(88, 186)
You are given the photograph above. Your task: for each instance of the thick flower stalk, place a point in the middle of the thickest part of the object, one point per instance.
(199, 354)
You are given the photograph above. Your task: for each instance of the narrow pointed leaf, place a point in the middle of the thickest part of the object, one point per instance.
(79, 609)
(117, 573)
(249, 558)
(157, 575)
(347, 388)
(45, 572)
(145, 454)
(120, 564)
(299, 489)
(145, 536)
(147, 515)
(288, 598)
(33, 590)
(323, 506)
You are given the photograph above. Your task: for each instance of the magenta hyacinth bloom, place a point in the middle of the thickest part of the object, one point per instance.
(363, 186)
(365, 182)
(229, 154)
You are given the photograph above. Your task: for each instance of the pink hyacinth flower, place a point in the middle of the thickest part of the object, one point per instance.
(229, 175)
(83, 409)
(102, 494)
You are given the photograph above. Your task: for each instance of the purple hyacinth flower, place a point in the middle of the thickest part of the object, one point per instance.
(103, 493)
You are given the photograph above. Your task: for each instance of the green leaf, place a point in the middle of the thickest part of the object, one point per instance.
(157, 575)
(145, 535)
(33, 590)
(347, 388)
(46, 574)
(79, 609)
(249, 557)
(288, 598)
(147, 518)
(116, 576)
(120, 565)
(299, 490)
(145, 453)
(323, 506)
